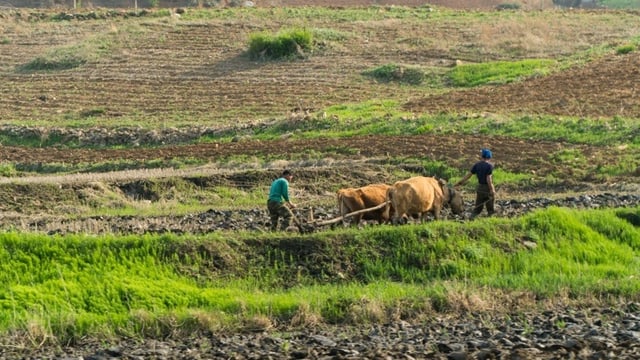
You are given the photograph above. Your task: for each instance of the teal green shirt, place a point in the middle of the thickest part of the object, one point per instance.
(279, 190)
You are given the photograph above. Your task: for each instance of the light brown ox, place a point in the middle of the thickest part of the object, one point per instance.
(417, 196)
(366, 197)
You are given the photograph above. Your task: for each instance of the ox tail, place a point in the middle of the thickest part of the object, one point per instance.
(342, 207)
(389, 199)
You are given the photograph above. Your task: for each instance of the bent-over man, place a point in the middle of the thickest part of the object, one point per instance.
(279, 204)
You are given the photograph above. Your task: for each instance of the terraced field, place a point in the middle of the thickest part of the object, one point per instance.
(158, 124)
(159, 74)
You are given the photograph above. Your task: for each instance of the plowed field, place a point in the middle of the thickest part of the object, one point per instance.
(190, 72)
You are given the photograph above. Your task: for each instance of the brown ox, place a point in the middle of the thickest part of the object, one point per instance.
(366, 197)
(417, 196)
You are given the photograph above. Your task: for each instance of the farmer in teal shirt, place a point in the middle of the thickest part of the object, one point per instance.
(279, 204)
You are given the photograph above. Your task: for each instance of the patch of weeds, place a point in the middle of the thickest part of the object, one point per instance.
(508, 6)
(7, 169)
(567, 3)
(53, 64)
(92, 112)
(397, 73)
(329, 35)
(625, 49)
(569, 156)
(620, 4)
(324, 38)
(498, 72)
(287, 44)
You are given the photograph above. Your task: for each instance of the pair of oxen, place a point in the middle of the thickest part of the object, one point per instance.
(415, 197)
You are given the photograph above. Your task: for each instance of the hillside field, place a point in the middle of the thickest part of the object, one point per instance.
(139, 148)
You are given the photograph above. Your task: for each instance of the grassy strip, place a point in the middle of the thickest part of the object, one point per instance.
(386, 117)
(500, 72)
(61, 288)
(620, 4)
(118, 165)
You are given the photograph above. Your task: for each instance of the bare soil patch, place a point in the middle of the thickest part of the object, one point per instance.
(608, 87)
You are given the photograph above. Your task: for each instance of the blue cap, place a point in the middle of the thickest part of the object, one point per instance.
(486, 154)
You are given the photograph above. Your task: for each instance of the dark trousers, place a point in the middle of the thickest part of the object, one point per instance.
(483, 199)
(279, 210)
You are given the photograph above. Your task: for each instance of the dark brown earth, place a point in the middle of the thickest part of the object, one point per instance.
(511, 154)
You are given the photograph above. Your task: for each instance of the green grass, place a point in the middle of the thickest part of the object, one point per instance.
(387, 117)
(60, 60)
(499, 72)
(397, 73)
(625, 49)
(286, 44)
(68, 57)
(68, 287)
(620, 4)
(106, 166)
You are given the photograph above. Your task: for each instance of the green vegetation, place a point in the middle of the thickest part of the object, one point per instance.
(625, 49)
(323, 14)
(69, 57)
(291, 43)
(387, 117)
(60, 288)
(393, 72)
(56, 61)
(499, 72)
(508, 6)
(7, 169)
(106, 166)
(620, 4)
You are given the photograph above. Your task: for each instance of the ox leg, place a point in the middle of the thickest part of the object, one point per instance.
(436, 212)
(349, 220)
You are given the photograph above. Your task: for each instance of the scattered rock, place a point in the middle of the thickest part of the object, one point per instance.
(457, 338)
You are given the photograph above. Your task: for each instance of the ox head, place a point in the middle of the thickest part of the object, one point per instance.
(455, 201)
(452, 198)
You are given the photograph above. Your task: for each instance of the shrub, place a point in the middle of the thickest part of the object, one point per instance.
(625, 49)
(568, 3)
(51, 64)
(7, 169)
(394, 72)
(292, 43)
(508, 6)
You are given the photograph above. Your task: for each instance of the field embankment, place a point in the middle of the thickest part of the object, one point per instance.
(169, 286)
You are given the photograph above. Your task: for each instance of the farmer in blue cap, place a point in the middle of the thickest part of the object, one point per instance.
(485, 192)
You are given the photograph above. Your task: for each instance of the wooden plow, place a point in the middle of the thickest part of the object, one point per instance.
(310, 224)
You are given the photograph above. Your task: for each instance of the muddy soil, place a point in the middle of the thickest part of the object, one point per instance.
(566, 332)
